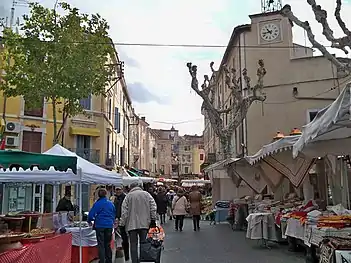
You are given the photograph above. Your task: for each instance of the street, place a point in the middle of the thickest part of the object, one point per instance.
(219, 244)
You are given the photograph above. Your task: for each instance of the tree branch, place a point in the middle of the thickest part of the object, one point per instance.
(339, 19)
(242, 105)
(212, 112)
(320, 15)
(241, 102)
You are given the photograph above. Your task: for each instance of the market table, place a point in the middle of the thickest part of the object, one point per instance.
(261, 226)
(54, 250)
(89, 244)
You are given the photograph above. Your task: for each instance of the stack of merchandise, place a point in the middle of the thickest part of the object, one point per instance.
(337, 221)
(313, 217)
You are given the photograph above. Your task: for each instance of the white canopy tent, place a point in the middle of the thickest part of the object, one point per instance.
(37, 176)
(330, 131)
(91, 173)
(128, 180)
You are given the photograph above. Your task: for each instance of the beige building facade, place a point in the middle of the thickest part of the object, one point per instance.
(297, 85)
(167, 152)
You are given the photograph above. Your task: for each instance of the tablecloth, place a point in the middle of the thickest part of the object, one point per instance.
(314, 235)
(295, 229)
(51, 250)
(261, 226)
(88, 236)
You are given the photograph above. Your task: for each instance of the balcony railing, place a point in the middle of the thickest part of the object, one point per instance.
(110, 160)
(91, 155)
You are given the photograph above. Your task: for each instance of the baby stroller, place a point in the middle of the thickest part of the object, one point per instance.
(151, 248)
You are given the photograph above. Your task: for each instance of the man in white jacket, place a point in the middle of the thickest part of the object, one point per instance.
(138, 215)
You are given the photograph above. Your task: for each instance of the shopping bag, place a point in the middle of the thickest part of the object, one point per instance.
(150, 250)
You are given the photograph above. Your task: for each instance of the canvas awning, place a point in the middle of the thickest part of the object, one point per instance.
(275, 160)
(330, 131)
(251, 175)
(27, 160)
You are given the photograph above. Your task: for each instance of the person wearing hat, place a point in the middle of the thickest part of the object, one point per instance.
(65, 204)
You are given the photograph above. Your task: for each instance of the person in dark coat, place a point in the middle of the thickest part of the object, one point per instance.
(65, 204)
(118, 200)
(162, 202)
(151, 191)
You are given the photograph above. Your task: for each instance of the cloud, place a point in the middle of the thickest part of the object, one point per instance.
(141, 94)
(128, 61)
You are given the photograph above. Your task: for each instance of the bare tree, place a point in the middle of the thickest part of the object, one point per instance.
(336, 42)
(241, 101)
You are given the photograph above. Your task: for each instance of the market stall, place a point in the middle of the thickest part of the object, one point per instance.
(34, 240)
(327, 137)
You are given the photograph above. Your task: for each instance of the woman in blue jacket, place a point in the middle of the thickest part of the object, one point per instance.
(103, 213)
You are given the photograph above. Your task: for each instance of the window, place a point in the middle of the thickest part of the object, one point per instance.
(187, 148)
(155, 168)
(35, 112)
(86, 103)
(31, 141)
(153, 152)
(311, 114)
(186, 169)
(162, 147)
(201, 156)
(162, 169)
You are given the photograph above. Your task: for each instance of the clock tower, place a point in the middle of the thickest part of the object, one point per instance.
(270, 5)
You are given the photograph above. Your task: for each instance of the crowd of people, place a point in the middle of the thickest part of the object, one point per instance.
(133, 211)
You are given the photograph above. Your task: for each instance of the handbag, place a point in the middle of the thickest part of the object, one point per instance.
(150, 250)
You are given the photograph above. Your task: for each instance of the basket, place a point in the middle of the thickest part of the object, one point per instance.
(31, 240)
(14, 223)
(11, 238)
(30, 221)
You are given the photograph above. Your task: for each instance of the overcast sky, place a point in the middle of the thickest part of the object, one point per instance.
(157, 77)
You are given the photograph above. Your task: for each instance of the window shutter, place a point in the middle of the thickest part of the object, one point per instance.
(116, 119)
(119, 123)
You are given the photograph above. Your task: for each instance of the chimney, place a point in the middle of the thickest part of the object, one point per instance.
(143, 118)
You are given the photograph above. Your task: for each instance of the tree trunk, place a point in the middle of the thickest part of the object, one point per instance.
(54, 117)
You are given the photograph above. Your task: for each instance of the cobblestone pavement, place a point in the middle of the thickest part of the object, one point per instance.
(218, 244)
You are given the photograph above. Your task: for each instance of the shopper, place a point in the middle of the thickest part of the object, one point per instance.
(161, 202)
(103, 213)
(118, 200)
(170, 196)
(179, 209)
(195, 198)
(138, 215)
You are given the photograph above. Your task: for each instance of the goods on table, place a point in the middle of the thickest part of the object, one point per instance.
(336, 221)
(206, 205)
(42, 232)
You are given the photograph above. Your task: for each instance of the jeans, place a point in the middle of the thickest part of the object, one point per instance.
(196, 222)
(104, 237)
(163, 218)
(179, 222)
(133, 238)
(125, 242)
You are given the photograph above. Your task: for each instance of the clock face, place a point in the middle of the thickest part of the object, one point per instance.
(270, 32)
